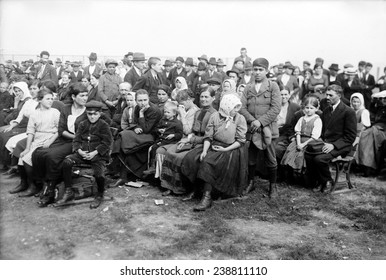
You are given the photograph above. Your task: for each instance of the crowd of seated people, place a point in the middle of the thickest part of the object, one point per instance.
(186, 125)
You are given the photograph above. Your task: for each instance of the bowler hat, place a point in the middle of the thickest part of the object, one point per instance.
(93, 56)
(213, 61)
(179, 58)
(233, 70)
(168, 63)
(111, 61)
(214, 80)
(334, 67)
(262, 62)
(201, 66)
(93, 105)
(189, 61)
(220, 62)
(204, 57)
(58, 60)
(138, 57)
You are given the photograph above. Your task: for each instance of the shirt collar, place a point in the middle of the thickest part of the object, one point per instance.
(334, 106)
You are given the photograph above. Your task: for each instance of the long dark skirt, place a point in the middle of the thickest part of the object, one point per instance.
(227, 172)
(5, 156)
(48, 162)
(171, 176)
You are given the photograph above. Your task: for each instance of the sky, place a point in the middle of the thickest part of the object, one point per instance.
(338, 31)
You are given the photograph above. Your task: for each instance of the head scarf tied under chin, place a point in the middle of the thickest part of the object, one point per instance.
(227, 104)
(232, 84)
(182, 80)
(24, 88)
(360, 97)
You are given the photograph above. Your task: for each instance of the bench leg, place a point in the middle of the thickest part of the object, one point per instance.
(348, 178)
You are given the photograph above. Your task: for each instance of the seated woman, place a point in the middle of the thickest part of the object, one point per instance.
(317, 79)
(6, 102)
(185, 113)
(17, 126)
(163, 95)
(170, 175)
(363, 115)
(221, 163)
(134, 141)
(64, 88)
(42, 131)
(285, 122)
(370, 142)
(180, 85)
(47, 162)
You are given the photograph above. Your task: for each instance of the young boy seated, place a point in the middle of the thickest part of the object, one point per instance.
(169, 131)
(92, 144)
(128, 113)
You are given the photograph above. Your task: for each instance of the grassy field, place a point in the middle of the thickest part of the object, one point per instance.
(298, 225)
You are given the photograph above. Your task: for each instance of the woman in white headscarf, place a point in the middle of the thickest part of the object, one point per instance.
(221, 165)
(27, 105)
(363, 115)
(180, 85)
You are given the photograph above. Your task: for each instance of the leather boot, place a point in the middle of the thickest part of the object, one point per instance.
(68, 196)
(97, 201)
(272, 190)
(23, 181)
(205, 203)
(48, 196)
(32, 188)
(249, 188)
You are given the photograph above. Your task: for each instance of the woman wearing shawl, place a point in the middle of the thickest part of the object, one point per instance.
(180, 85)
(362, 114)
(221, 165)
(27, 106)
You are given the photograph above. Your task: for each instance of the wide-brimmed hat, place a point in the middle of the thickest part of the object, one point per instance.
(58, 60)
(111, 61)
(93, 56)
(233, 70)
(137, 56)
(201, 66)
(350, 71)
(334, 67)
(220, 62)
(167, 63)
(213, 61)
(189, 61)
(204, 57)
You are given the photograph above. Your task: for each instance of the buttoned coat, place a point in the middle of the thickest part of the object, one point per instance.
(148, 83)
(339, 128)
(263, 106)
(97, 70)
(131, 77)
(49, 73)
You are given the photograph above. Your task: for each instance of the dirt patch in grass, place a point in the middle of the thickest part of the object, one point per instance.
(299, 224)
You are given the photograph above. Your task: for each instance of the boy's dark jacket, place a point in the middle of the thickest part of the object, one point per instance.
(173, 126)
(91, 137)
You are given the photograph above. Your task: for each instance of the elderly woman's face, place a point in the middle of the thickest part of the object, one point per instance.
(205, 99)
(284, 96)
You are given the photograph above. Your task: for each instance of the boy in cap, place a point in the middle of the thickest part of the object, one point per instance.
(261, 104)
(92, 144)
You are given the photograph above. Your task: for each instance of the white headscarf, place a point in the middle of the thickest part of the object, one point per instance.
(360, 97)
(227, 104)
(24, 88)
(232, 86)
(182, 80)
